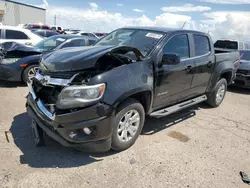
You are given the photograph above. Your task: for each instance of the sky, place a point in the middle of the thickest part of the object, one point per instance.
(221, 18)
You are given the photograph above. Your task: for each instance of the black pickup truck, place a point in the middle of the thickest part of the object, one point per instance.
(96, 98)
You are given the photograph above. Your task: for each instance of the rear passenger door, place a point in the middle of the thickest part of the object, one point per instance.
(204, 60)
(16, 36)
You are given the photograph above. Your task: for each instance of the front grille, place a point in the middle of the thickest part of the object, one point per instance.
(245, 72)
(47, 94)
(63, 75)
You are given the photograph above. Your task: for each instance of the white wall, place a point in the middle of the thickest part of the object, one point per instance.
(15, 14)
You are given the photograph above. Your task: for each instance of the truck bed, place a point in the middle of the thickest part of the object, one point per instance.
(225, 55)
(229, 59)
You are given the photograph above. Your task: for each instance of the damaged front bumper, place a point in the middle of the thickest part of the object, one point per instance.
(242, 80)
(69, 129)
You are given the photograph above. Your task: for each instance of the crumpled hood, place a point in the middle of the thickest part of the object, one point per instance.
(79, 58)
(13, 49)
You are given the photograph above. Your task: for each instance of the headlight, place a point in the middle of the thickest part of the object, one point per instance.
(80, 96)
(9, 60)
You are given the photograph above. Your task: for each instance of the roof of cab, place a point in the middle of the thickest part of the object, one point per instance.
(161, 29)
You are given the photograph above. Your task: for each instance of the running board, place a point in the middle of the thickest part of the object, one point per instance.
(178, 107)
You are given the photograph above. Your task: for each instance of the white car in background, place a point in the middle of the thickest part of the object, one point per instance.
(19, 35)
(89, 34)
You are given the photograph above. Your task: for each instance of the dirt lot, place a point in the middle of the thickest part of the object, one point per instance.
(207, 149)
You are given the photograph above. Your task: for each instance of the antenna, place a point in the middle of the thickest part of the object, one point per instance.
(183, 25)
(55, 20)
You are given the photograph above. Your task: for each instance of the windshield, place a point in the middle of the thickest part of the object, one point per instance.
(226, 44)
(50, 43)
(142, 40)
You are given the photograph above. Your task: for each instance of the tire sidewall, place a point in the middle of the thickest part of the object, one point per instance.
(216, 89)
(117, 144)
(25, 73)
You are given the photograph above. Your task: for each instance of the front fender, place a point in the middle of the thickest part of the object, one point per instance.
(124, 81)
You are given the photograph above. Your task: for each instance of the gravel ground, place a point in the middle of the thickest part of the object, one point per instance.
(207, 149)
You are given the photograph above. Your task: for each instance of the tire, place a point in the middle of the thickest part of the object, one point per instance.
(129, 108)
(26, 72)
(216, 97)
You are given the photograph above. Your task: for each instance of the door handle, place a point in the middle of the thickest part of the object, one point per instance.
(188, 68)
(209, 64)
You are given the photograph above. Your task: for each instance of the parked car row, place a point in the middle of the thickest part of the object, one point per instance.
(60, 30)
(20, 62)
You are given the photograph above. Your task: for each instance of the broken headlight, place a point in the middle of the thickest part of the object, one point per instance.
(9, 61)
(80, 96)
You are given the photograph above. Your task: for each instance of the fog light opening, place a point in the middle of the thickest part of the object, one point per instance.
(72, 134)
(87, 130)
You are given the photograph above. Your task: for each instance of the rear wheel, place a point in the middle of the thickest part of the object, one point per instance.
(216, 97)
(128, 123)
(29, 73)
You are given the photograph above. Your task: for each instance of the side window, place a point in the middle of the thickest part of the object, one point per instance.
(36, 27)
(178, 45)
(74, 43)
(45, 27)
(12, 34)
(201, 45)
(240, 45)
(59, 28)
(91, 42)
(91, 35)
(84, 34)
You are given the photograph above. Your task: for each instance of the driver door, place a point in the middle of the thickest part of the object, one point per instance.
(173, 82)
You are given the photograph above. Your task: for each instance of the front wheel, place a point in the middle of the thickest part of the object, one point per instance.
(128, 123)
(216, 97)
(29, 73)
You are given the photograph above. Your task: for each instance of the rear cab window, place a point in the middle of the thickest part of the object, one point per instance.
(226, 44)
(201, 45)
(18, 35)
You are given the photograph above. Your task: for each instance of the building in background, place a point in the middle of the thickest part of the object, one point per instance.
(14, 13)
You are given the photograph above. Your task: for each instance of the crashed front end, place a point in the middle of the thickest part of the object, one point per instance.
(71, 114)
(66, 102)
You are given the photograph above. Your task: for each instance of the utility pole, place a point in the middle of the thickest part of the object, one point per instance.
(55, 20)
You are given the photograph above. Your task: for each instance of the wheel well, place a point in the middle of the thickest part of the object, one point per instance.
(227, 76)
(143, 97)
(25, 69)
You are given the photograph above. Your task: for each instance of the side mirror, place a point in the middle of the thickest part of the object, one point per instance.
(170, 59)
